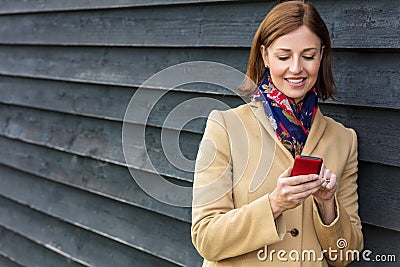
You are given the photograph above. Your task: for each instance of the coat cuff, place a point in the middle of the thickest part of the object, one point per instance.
(317, 215)
(279, 225)
(329, 234)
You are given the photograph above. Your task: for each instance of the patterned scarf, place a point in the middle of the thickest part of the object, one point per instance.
(291, 121)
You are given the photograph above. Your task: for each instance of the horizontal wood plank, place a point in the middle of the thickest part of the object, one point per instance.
(133, 66)
(7, 262)
(71, 241)
(379, 241)
(108, 102)
(208, 24)
(359, 84)
(101, 216)
(33, 6)
(115, 66)
(66, 133)
(26, 252)
(101, 101)
(100, 139)
(88, 174)
(374, 182)
(372, 131)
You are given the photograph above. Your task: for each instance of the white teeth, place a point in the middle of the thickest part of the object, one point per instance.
(295, 81)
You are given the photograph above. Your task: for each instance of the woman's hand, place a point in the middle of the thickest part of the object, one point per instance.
(325, 196)
(328, 188)
(291, 192)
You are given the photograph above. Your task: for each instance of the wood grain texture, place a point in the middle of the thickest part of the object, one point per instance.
(378, 190)
(107, 102)
(208, 24)
(102, 178)
(111, 66)
(379, 241)
(88, 137)
(7, 262)
(116, 183)
(138, 228)
(101, 101)
(372, 131)
(72, 241)
(111, 102)
(98, 139)
(26, 252)
(33, 6)
(133, 66)
(68, 70)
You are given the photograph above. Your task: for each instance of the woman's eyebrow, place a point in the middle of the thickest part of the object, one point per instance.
(304, 50)
(309, 49)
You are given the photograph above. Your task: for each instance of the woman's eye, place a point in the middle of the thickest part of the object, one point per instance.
(309, 57)
(283, 58)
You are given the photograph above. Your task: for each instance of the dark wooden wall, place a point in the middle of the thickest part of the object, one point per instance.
(67, 72)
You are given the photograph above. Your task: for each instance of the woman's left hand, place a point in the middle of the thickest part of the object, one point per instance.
(327, 191)
(325, 196)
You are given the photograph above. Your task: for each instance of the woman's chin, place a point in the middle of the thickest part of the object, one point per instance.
(297, 96)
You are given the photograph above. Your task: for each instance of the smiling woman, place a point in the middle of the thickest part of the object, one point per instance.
(294, 59)
(253, 200)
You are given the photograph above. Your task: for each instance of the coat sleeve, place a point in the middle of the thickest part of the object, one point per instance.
(219, 230)
(347, 226)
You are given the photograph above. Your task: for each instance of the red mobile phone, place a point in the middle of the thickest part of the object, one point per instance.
(304, 165)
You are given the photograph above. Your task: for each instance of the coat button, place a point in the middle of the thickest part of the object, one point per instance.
(294, 232)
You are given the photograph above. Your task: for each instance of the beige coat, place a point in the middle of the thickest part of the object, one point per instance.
(237, 166)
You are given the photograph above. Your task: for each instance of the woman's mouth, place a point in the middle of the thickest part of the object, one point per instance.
(296, 81)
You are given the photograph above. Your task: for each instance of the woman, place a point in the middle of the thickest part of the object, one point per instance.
(247, 208)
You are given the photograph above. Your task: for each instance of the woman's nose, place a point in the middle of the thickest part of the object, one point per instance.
(295, 66)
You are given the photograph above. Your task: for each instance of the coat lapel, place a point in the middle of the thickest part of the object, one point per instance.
(259, 113)
(316, 131)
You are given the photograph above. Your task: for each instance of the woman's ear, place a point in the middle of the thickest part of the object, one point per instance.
(264, 54)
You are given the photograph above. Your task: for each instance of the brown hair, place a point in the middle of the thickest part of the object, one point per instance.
(283, 19)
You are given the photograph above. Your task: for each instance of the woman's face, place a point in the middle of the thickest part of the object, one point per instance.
(294, 61)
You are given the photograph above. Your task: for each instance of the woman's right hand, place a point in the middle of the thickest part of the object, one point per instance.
(291, 192)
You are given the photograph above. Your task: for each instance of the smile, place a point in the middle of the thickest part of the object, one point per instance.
(296, 81)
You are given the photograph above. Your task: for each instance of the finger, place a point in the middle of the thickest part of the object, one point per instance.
(321, 175)
(295, 180)
(304, 187)
(322, 171)
(327, 175)
(332, 182)
(324, 184)
(305, 194)
(286, 173)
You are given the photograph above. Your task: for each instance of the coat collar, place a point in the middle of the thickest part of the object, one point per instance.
(316, 131)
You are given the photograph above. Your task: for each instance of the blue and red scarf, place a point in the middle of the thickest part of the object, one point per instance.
(291, 121)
